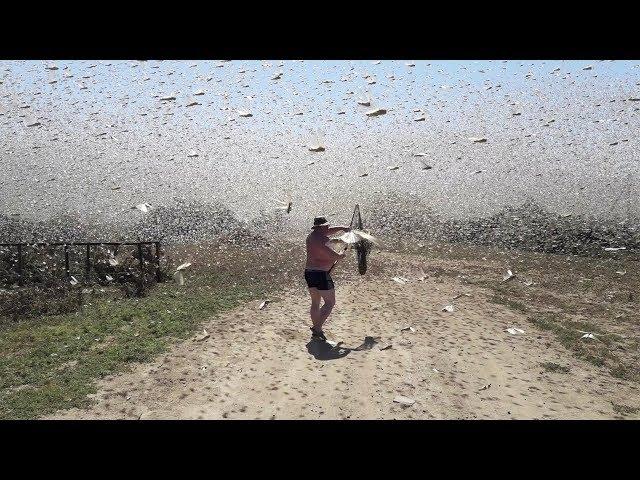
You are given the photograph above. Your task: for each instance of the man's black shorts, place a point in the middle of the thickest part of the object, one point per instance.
(318, 279)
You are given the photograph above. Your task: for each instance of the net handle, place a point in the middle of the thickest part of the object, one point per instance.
(353, 217)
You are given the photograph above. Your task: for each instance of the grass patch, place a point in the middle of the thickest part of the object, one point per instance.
(52, 362)
(554, 367)
(512, 304)
(568, 337)
(624, 409)
(597, 352)
(568, 295)
(597, 360)
(625, 372)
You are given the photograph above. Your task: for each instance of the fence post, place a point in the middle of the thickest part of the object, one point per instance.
(158, 276)
(66, 260)
(87, 265)
(140, 257)
(20, 279)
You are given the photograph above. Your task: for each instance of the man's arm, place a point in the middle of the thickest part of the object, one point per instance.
(337, 228)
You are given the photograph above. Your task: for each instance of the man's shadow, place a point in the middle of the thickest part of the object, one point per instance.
(322, 350)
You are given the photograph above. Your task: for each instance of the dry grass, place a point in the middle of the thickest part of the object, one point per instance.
(624, 409)
(568, 294)
(554, 367)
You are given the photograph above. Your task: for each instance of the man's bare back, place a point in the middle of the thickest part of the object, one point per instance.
(319, 255)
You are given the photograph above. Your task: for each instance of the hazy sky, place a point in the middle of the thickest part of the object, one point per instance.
(101, 139)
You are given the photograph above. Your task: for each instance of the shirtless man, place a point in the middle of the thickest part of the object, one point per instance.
(320, 260)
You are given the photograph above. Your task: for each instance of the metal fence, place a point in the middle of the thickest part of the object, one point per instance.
(88, 245)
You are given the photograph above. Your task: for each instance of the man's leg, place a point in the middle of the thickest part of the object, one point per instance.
(315, 308)
(329, 297)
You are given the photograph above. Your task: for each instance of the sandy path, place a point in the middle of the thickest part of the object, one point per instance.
(262, 364)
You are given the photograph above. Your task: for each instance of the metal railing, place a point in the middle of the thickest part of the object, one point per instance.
(88, 246)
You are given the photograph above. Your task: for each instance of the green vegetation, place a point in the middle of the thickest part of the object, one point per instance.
(51, 362)
(624, 409)
(514, 305)
(554, 367)
(598, 352)
(565, 295)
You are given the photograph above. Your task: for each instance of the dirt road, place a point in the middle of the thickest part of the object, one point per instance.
(262, 364)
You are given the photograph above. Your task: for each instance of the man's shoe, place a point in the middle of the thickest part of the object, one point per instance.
(319, 334)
